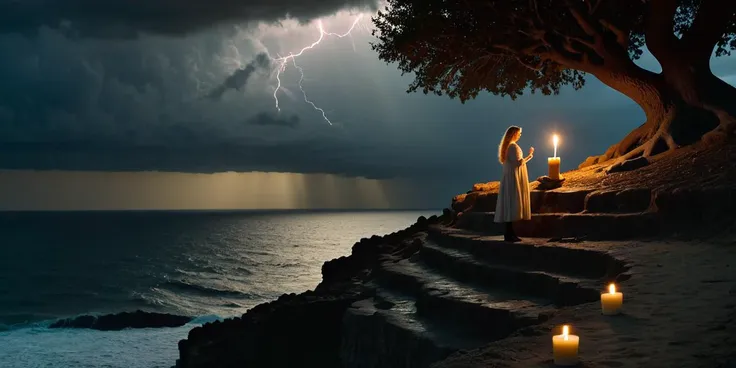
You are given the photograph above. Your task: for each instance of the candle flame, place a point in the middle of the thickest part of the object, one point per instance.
(612, 289)
(555, 140)
(565, 331)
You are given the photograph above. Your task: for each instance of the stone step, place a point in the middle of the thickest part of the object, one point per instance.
(464, 266)
(541, 201)
(579, 260)
(565, 200)
(386, 331)
(596, 226)
(630, 200)
(557, 201)
(481, 312)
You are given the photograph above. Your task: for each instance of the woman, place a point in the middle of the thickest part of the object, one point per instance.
(513, 202)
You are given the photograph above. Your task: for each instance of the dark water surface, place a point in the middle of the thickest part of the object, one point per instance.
(210, 264)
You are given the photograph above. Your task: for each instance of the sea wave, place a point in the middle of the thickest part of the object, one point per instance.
(147, 299)
(22, 325)
(44, 324)
(232, 305)
(243, 270)
(188, 286)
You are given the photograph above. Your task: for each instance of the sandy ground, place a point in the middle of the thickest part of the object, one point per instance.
(679, 311)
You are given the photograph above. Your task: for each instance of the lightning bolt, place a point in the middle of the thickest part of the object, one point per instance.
(301, 71)
(283, 61)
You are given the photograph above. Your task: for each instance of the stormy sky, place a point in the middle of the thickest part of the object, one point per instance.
(91, 89)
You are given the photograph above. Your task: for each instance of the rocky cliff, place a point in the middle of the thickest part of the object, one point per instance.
(449, 284)
(408, 299)
(303, 329)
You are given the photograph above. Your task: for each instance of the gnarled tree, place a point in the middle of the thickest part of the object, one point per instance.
(462, 47)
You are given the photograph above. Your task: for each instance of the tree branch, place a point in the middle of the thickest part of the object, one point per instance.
(570, 50)
(659, 27)
(535, 7)
(586, 25)
(622, 38)
(533, 66)
(559, 54)
(593, 6)
(589, 27)
(582, 41)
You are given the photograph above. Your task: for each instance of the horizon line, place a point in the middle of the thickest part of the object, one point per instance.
(234, 210)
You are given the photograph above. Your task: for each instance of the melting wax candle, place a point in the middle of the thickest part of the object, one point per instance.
(611, 301)
(554, 162)
(554, 167)
(565, 348)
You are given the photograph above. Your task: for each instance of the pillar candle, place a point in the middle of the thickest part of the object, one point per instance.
(554, 167)
(611, 301)
(565, 348)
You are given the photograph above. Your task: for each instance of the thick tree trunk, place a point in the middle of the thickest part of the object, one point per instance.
(669, 117)
(686, 102)
(685, 62)
(699, 88)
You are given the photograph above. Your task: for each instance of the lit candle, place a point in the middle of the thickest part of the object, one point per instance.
(565, 348)
(554, 162)
(611, 301)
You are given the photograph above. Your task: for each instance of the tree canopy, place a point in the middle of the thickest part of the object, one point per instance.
(463, 47)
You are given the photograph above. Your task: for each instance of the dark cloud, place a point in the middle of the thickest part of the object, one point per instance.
(268, 119)
(127, 18)
(299, 157)
(239, 78)
(88, 104)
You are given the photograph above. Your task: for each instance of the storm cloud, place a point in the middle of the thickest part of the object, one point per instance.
(239, 78)
(71, 103)
(299, 157)
(270, 119)
(126, 18)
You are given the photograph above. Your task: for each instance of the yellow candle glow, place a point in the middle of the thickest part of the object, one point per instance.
(554, 167)
(554, 162)
(565, 348)
(611, 301)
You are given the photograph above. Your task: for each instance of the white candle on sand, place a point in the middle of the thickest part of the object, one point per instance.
(554, 162)
(611, 301)
(565, 348)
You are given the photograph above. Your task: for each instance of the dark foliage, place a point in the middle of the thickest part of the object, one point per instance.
(462, 47)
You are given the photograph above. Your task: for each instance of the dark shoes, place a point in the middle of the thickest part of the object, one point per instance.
(509, 235)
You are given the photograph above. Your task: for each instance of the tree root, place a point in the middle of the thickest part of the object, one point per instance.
(725, 130)
(712, 125)
(647, 149)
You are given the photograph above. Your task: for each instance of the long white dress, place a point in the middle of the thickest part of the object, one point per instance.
(513, 202)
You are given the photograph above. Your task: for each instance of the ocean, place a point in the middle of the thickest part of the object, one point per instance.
(209, 265)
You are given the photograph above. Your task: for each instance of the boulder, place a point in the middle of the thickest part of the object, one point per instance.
(491, 186)
(115, 322)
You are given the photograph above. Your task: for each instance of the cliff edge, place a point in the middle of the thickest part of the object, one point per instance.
(448, 292)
